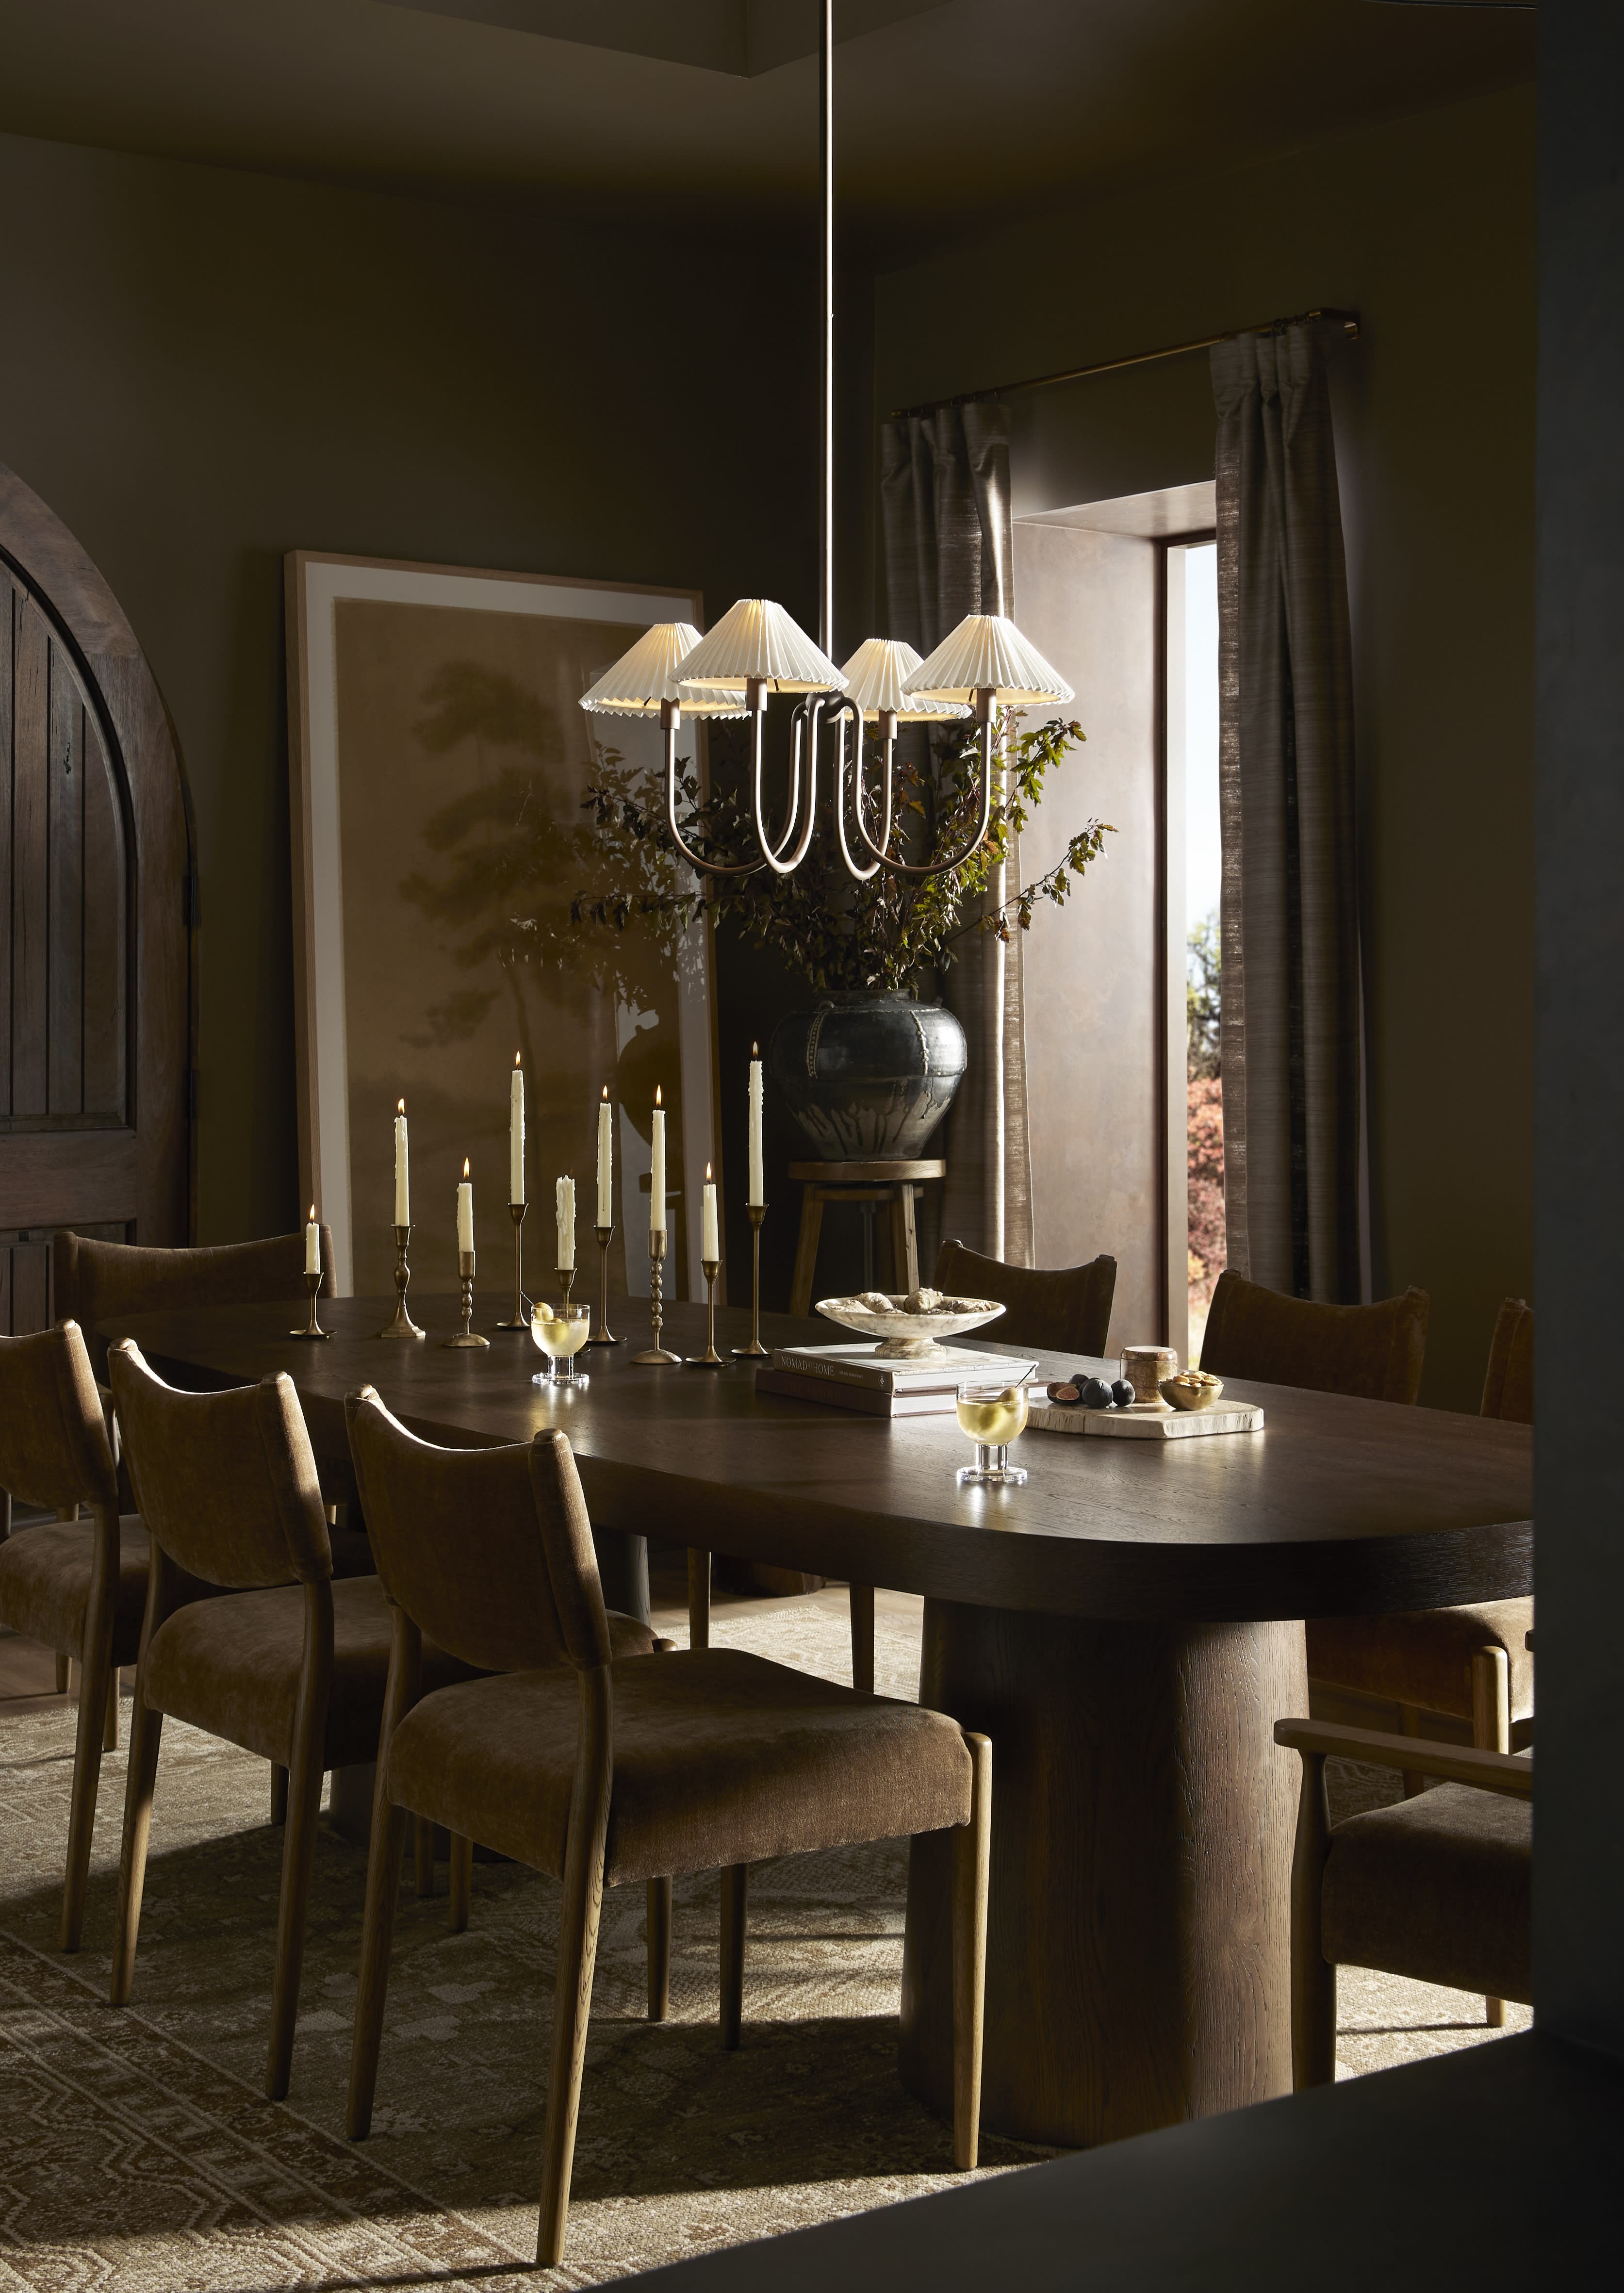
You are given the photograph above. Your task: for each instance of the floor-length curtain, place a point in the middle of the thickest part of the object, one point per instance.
(1291, 1008)
(944, 500)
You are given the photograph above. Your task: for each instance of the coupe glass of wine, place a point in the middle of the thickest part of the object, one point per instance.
(560, 1331)
(992, 1416)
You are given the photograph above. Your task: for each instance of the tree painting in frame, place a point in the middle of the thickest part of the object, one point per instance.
(439, 760)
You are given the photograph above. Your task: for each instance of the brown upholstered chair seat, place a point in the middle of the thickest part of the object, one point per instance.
(232, 1666)
(1423, 1657)
(720, 1758)
(45, 1585)
(1438, 1888)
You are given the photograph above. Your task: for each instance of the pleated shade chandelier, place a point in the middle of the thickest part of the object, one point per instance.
(758, 650)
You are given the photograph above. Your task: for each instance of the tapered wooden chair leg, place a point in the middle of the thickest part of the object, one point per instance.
(459, 1881)
(735, 1892)
(659, 1950)
(279, 1795)
(146, 1733)
(298, 1858)
(1491, 1732)
(423, 1854)
(1313, 1982)
(862, 1637)
(89, 1743)
(584, 1898)
(971, 1868)
(385, 1857)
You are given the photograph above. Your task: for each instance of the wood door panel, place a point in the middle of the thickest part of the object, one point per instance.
(95, 954)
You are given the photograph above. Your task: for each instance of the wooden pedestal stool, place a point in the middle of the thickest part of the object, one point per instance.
(896, 1182)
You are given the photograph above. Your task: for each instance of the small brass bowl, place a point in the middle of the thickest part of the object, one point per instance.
(1181, 1396)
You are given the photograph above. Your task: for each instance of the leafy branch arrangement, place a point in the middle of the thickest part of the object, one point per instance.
(836, 933)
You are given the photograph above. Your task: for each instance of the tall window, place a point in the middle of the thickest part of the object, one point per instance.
(1203, 876)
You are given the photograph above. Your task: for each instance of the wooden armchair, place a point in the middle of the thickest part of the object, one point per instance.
(1438, 1887)
(605, 1772)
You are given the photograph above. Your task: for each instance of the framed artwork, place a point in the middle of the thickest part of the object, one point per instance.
(439, 760)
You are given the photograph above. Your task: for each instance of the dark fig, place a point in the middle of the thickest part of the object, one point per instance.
(1096, 1394)
(1122, 1392)
(1062, 1391)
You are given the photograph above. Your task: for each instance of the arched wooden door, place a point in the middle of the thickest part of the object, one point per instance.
(95, 974)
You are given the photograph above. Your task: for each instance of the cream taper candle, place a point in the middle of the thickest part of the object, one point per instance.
(711, 1241)
(402, 1167)
(605, 1160)
(757, 1195)
(565, 1194)
(313, 1244)
(465, 1213)
(656, 1177)
(516, 1133)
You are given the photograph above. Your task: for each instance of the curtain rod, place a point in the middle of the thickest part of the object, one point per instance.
(1347, 319)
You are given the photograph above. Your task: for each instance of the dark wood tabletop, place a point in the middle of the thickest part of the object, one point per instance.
(1340, 1507)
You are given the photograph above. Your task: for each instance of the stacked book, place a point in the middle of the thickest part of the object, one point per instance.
(855, 1377)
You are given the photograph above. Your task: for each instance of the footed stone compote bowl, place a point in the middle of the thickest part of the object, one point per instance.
(908, 1328)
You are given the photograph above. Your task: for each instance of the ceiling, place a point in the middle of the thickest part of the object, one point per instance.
(702, 111)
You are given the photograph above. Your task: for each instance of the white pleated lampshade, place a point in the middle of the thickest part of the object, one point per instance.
(642, 678)
(876, 676)
(757, 639)
(987, 653)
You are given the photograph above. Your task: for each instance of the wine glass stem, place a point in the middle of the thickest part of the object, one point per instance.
(989, 1460)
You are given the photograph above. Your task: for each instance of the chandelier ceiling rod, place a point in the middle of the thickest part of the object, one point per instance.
(826, 152)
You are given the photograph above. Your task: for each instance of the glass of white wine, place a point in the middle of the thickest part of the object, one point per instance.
(992, 1416)
(560, 1331)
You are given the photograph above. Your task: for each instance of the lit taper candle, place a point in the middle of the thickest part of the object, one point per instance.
(402, 1167)
(757, 1195)
(711, 1242)
(605, 1160)
(313, 1244)
(465, 1213)
(565, 1194)
(516, 1133)
(656, 1177)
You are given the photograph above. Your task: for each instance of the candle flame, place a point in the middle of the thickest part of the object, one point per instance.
(605, 1091)
(312, 1214)
(656, 1094)
(707, 1174)
(400, 1107)
(465, 1166)
(517, 1061)
(755, 1050)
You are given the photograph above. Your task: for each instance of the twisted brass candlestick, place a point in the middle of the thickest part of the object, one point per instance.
(656, 1302)
(312, 1328)
(709, 1359)
(603, 1335)
(466, 1336)
(402, 1325)
(755, 1213)
(521, 1312)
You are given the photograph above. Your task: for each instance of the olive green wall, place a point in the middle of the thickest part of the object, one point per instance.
(1425, 227)
(206, 369)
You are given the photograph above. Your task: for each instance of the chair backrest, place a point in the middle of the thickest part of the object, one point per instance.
(1508, 1389)
(487, 1550)
(1066, 1310)
(94, 1281)
(53, 1447)
(226, 1482)
(1375, 1351)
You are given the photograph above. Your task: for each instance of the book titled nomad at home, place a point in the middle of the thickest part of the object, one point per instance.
(853, 1377)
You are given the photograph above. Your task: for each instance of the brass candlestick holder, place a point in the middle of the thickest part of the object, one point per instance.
(466, 1336)
(402, 1325)
(709, 1359)
(656, 1302)
(521, 1312)
(603, 1335)
(564, 1277)
(755, 1213)
(312, 1328)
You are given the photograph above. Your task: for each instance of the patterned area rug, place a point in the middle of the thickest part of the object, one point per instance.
(137, 2153)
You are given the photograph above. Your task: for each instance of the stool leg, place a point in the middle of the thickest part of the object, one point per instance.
(1491, 1732)
(907, 1194)
(806, 1250)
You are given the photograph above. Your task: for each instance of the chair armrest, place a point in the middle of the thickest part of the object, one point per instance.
(1495, 1771)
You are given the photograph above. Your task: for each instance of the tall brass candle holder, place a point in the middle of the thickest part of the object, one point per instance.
(603, 1335)
(656, 1301)
(521, 1312)
(402, 1325)
(468, 1335)
(312, 1328)
(564, 1277)
(709, 1359)
(755, 1213)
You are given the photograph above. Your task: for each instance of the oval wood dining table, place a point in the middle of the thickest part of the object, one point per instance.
(1126, 1628)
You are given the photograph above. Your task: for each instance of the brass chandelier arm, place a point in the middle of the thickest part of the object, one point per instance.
(668, 721)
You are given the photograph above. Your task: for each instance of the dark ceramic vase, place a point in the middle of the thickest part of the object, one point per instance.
(868, 1072)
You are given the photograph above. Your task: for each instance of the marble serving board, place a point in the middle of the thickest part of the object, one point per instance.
(1137, 1424)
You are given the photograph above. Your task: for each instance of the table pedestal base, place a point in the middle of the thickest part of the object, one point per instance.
(1137, 1964)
